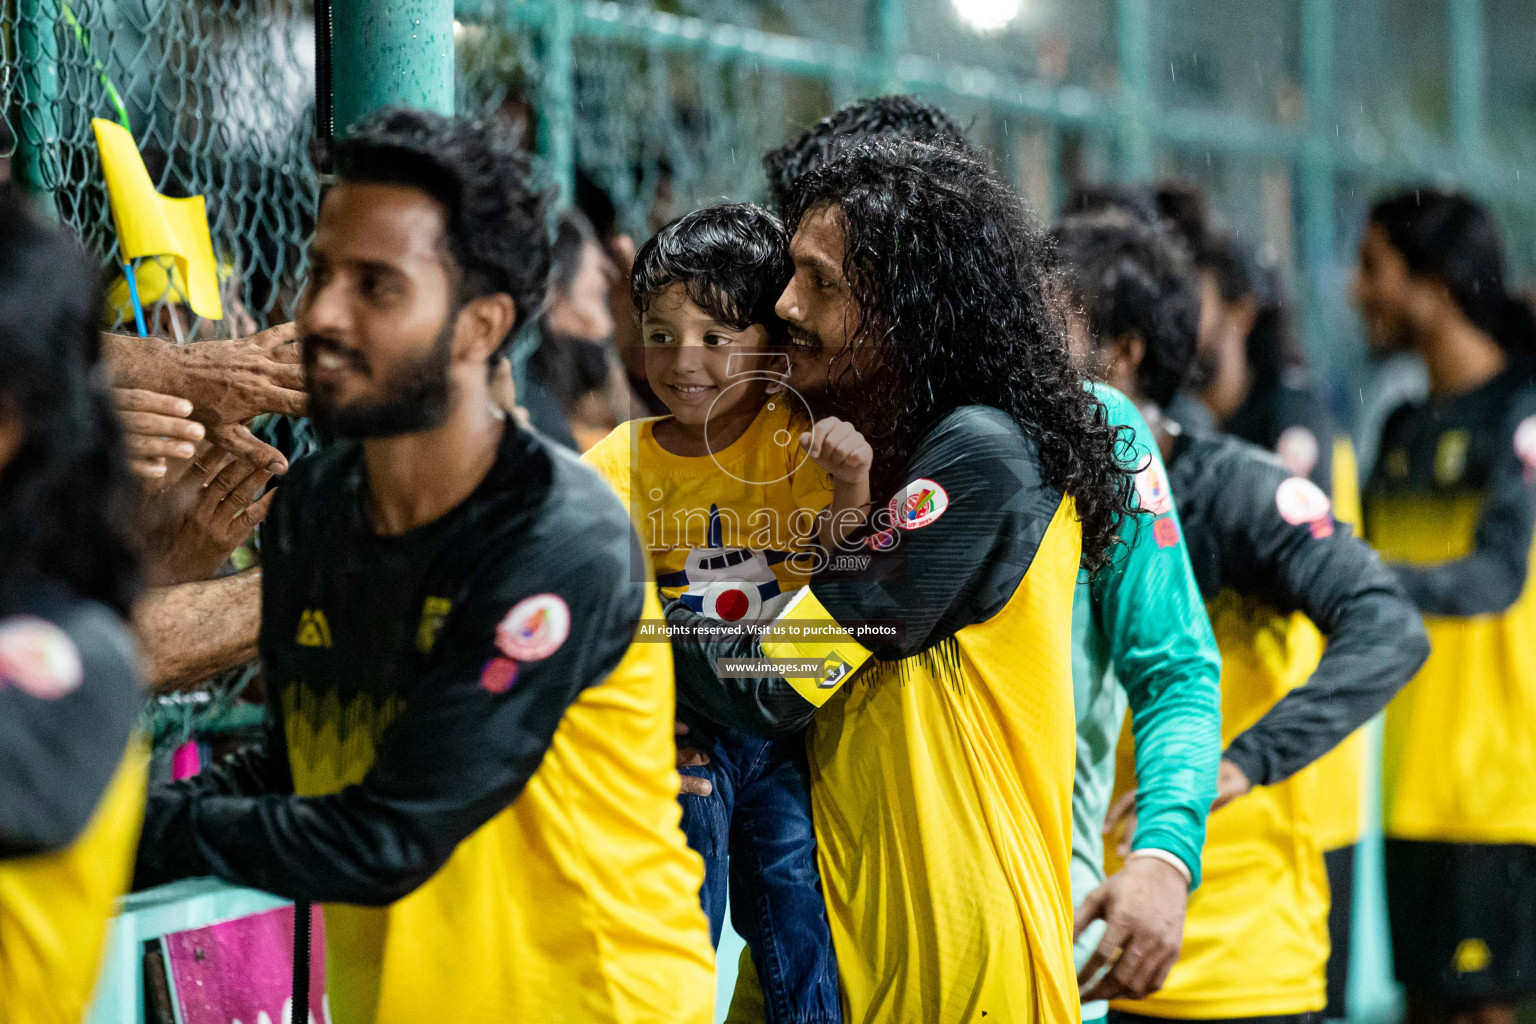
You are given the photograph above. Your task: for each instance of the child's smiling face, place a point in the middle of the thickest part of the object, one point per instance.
(698, 366)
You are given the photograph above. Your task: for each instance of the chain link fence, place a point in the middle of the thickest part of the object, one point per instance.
(219, 96)
(649, 108)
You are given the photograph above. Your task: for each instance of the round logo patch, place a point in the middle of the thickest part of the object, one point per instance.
(918, 504)
(1152, 488)
(1301, 501)
(1298, 450)
(38, 658)
(534, 628)
(1525, 443)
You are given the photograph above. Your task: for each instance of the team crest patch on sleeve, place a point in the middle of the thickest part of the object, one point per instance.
(918, 504)
(534, 628)
(1525, 445)
(1303, 503)
(38, 658)
(1152, 488)
(1165, 532)
(498, 675)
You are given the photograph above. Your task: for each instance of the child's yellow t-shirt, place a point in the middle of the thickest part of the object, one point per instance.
(732, 534)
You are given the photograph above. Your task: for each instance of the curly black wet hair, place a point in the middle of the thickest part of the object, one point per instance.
(732, 260)
(1132, 276)
(951, 282)
(67, 501)
(904, 117)
(1454, 240)
(495, 218)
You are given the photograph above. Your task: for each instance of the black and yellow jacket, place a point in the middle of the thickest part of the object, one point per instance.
(942, 755)
(1272, 564)
(471, 762)
(71, 794)
(1451, 505)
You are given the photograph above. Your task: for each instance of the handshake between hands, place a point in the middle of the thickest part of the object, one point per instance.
(185, 412)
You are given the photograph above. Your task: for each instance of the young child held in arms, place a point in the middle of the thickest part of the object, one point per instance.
(739, 497)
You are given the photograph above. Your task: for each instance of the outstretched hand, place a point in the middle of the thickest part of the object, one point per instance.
(1142, 906)
(234, 381)
(224, 511)
(156, 428)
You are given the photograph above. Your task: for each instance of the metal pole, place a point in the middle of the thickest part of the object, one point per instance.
(1466, 45)
(391, 54)
(1320, 275)
(557, 96)
(1136, 112)
(887, 36)
(38, 126)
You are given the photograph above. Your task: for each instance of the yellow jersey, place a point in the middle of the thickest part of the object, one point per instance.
(471, 762)
(1451, 502)
(942, 734)
(729, 534)
(1279, 573)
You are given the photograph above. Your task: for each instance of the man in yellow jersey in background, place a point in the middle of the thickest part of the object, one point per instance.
(1266, 551)
(1259, 391)
(469, 761)
(1451, 504)
(71, 780)
(941, 742)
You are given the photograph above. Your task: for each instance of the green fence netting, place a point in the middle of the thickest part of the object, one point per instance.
(1294, 114)
(219, 96)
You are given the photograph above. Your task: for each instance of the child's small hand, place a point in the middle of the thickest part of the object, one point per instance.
(839, 449)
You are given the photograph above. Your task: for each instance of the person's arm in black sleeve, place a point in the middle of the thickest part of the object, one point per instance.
(1492, 577)
(164, 855)
(457, 754)
(970, 520)
(762, 705)
(1375, 638)
(62, 736)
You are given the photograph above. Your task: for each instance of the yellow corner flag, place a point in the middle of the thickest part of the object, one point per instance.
(149, 224)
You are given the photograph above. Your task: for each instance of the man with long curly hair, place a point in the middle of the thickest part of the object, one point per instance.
(941, 735)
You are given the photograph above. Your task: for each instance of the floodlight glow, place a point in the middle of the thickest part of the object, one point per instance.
(987, 15)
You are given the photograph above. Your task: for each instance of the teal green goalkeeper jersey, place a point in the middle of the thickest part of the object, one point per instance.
(1140, 636)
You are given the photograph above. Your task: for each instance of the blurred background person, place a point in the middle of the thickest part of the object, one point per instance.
(71, 777)
(1451, 505)
(597, 206)
(575, 389)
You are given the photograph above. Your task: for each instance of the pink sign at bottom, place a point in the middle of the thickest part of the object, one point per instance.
(241, 971)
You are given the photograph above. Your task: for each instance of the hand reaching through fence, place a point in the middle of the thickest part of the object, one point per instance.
(215, 508)
(156, 428)
(227, 382)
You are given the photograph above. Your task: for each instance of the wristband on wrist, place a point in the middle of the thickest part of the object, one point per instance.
(1167, 858)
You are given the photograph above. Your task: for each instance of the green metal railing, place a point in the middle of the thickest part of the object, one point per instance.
(1315, 149)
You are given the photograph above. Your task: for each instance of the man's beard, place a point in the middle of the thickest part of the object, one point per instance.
(413, 398)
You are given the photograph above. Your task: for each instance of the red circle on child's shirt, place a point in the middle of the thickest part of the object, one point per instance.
(731, 605)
